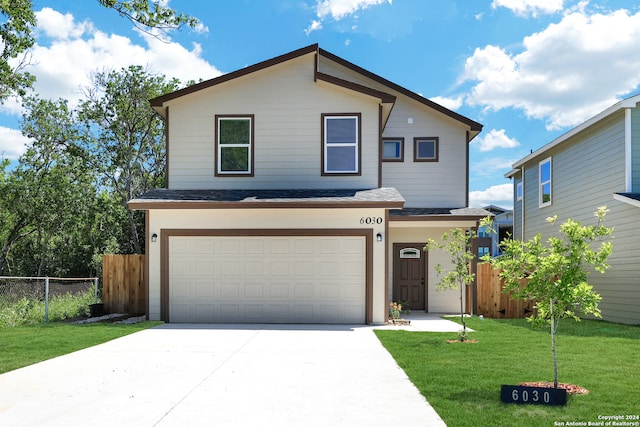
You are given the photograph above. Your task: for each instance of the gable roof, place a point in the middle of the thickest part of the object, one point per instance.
(386, 99)
(630, 102)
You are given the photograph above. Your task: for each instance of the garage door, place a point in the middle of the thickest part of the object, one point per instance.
(267, 279)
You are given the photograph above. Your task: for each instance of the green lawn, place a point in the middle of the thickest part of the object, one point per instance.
(26, 345)
(462, 381)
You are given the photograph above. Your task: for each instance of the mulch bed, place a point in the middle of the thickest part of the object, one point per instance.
(571, 388)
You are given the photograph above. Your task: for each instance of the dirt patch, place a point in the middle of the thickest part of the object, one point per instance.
(465, 341)
(571, 388)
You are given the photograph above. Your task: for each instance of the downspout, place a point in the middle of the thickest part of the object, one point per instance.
(628, 161)
(522, 205)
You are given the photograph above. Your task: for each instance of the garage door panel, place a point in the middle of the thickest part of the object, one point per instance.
(268, 279)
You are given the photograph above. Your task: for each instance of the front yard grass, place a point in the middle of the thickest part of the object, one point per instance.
(26, 345)
(462, 381)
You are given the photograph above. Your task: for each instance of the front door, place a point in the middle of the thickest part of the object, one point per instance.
(409, 266)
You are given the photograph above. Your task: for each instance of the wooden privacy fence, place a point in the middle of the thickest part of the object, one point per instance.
(494, 303)
(123, 284)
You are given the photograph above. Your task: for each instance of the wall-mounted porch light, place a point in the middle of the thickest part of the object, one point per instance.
(154, 237)
(379, 237)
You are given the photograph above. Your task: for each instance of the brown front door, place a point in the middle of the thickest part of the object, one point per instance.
(409, 266)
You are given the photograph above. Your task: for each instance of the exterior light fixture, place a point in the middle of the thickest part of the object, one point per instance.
(154, 237)
(379, 237)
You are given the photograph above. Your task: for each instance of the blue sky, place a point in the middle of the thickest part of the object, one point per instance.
(528, 70)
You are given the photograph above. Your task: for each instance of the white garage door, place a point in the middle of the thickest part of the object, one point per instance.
(267, 279)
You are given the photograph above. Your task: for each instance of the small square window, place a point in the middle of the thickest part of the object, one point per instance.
(393, 149)
(425, 149)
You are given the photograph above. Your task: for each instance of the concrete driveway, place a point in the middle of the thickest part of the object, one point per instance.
(220, 375)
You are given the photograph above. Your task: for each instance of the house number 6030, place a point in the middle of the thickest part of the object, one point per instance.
(370, 220)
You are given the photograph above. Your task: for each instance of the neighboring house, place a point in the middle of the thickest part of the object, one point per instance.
(503, 227)
(302, 189)
(595, 164)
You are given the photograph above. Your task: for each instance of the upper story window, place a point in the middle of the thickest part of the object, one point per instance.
(425, 149)
(544, 173)
(519, 191)
(234, 145)
(392, 149)
(341, 144)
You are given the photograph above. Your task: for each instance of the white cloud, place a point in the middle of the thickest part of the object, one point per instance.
(499, 195)
(530, 7)
(450, 103)
(495, 139)
(339, 9)
(71, 51)
(12, 143)
(566, 73)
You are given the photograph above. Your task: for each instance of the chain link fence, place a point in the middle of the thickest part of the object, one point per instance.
(25, 300)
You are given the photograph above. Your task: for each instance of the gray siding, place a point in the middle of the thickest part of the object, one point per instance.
(587, 170)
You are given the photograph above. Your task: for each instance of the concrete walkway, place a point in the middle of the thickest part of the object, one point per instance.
(222, 375)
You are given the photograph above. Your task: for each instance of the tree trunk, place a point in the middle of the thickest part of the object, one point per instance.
(134, 232)
(464, 324)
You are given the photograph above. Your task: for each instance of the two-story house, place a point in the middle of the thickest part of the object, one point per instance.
(595, 164)
(302, 189)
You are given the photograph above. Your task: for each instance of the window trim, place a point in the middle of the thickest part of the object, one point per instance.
(396, 159)
(519, 191)
(436, 141)
(324, 117)
(541, 203)
(218, 146)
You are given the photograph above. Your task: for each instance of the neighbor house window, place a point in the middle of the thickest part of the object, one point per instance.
(234, 145)
(544, 171)
(519, 191)
(392, 149)
(425, 149)
(340, 144)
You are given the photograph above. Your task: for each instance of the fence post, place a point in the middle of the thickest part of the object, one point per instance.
(46, 299)
(95, 283)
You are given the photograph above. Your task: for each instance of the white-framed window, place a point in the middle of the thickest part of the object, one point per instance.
(425, 149)
(519, 191)
(392, 149)
(545, 182)
(234, 145)
(341, 144)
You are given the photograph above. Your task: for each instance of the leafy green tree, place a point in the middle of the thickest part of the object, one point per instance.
(457, 244)
(16, 34)
(16, 39)
(555, 275)
(125, 136)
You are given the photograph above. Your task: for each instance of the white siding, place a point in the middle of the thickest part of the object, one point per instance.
(422, 184)
(427, 184)
(287, 105)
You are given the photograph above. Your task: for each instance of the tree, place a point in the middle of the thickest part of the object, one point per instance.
(16, 34)
(16, 39)
(126, 137)
(555, 275)
(456, 243)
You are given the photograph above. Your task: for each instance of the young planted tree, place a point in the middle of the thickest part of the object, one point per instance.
(456, 243)
(555, 275)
